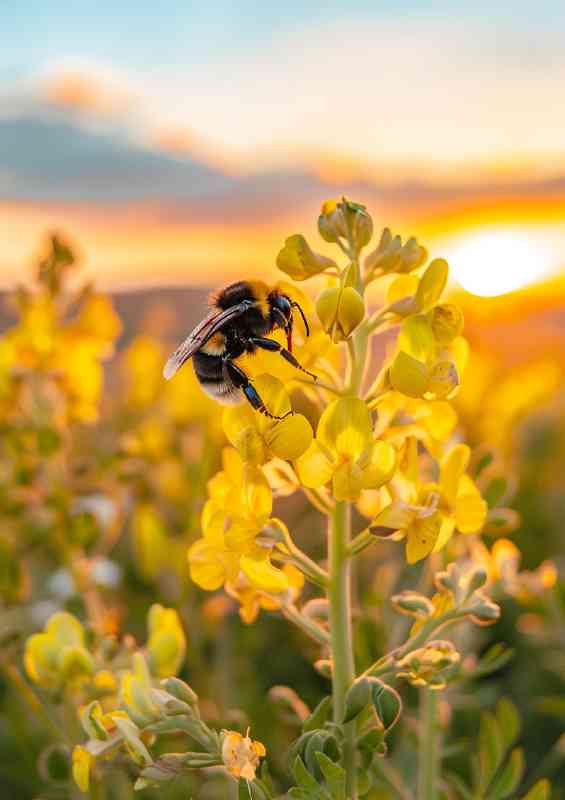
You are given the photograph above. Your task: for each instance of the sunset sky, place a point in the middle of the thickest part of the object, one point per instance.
(181, 142)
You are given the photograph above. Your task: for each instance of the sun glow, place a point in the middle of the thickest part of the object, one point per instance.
(495, 261)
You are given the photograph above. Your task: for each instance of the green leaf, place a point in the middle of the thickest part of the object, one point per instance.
(494, 659)
(302, 776)
(319, 716)
(495, 490)
(490, 748)
(387, 703)
(509, 721)
(314, 746)
(334, 776)
(509, 779)
(541, 791)
(357, 698)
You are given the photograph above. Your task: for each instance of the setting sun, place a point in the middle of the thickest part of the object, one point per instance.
(499, 260)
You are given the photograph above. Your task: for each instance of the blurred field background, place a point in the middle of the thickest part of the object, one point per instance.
(172, 149)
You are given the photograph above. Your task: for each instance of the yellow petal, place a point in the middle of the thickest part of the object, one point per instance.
(347, 482)
(275, 397)
(326, 307)
(408, 375)
(394, 517)
(416, 338)
(289, 438)
(345, 427)
(351, 310)
(240, 426)
(65, 628)
(241, 535)
(452, 469)
(422, 537)
(262, 574)
(470, 508)
(440, 419)
(314, 467)
(257, 495)
(445, 532)
(207, 569)
(299, 261)
(402, 287)
(447, 322)
(380, 467)
(432, 283)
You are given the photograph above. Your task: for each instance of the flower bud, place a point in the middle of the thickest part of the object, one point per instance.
(356, 699)
(324, 666)
(392, 256)
(409, 376)
(427, 665)
(346, 220)
(483, 611)
(180, 690)
(447, 322)
(131, 736)
(387, 703)
(340, 311)
(299, 261)
(413, 604)
(90, 717)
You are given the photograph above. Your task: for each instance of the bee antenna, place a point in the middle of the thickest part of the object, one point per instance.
(304, 320)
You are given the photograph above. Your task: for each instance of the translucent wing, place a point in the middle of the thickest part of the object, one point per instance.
(200, 335)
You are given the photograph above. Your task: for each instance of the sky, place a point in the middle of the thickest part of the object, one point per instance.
(181, 142)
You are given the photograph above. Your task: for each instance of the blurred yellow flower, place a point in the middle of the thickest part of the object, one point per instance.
(258, 438)
(143, 368)
(241, 755)
(58, 656)
(82, 765)
(166, 645)
(345, 452)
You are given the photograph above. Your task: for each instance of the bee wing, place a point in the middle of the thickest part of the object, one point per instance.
(200, 335)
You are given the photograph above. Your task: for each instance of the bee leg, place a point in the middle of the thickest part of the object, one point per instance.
(275, 347)
(238, 377)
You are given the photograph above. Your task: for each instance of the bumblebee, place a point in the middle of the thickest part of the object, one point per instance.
(241, 317)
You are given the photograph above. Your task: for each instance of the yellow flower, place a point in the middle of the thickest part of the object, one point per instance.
(143, 367)
(232, 519)
(424, 367)
(430, 516)
(344, 219)
(409, 294)
(58, 657)
(252, 601)
(346, 453)
(82, 764)
(258, 438)
(241, 755)
(167, 643)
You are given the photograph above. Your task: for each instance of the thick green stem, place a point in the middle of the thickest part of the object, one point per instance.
(428, 766)
(339, 597)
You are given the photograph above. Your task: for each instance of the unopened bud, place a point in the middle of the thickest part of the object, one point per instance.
(180, 690)
(413, 604)
(299, 261)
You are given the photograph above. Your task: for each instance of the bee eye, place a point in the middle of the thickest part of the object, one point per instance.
(283, 304)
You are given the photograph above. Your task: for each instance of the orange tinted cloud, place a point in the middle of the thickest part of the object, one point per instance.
(76, 90)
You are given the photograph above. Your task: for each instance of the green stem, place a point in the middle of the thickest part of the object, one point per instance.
(339, 598)
(428, 766)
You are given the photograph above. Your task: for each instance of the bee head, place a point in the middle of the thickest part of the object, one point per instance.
(282, 314)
